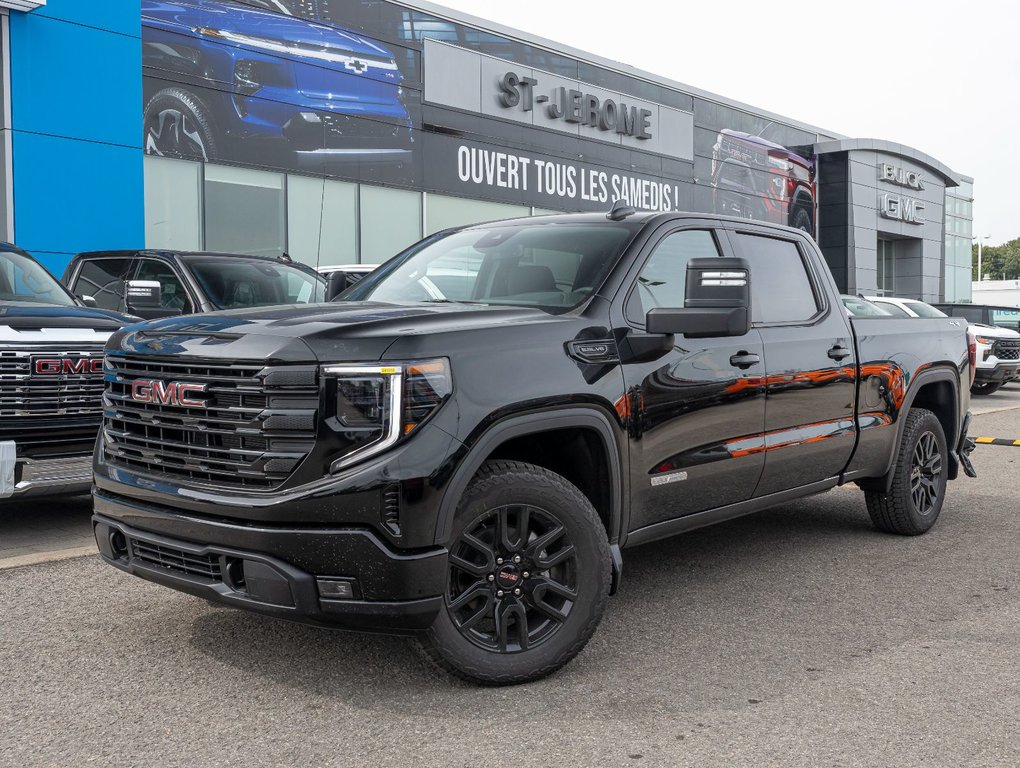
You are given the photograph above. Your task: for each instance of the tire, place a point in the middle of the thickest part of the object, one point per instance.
(802, 221)
(985, 388)
(914, 501)
(179, 124)
(564, 575)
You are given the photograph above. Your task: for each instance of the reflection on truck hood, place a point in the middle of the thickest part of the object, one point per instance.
(337, 331)
(29, 316)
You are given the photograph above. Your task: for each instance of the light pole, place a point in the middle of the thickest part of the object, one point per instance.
(980, 242)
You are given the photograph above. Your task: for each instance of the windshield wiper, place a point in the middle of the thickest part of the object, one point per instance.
(452, 301)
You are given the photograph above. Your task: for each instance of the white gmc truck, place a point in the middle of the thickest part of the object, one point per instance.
(51, 380)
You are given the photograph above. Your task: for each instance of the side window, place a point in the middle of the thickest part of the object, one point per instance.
(663, 279)
(781, 289)
(103, 280)
(172, 293)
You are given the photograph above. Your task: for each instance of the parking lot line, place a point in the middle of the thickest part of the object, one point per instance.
(37, 558)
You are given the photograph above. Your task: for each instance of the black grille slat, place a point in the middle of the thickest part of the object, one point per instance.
(202, 566)
(1007, 349)
(253, 433)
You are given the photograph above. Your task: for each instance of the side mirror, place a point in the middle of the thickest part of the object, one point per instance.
(337, 283)
(88, 301)
(144, 298)
(718, 302)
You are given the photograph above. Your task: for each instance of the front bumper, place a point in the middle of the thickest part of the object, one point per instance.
(287, 573)
(23, 477)
(1000, 372)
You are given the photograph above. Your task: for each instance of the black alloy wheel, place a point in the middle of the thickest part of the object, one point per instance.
(914, 498)
(513, 579)
(528, 577)
(925, 473)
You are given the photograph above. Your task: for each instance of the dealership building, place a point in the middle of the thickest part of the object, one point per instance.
(341, 131)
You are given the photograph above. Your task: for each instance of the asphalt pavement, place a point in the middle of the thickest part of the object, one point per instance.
(797, 637)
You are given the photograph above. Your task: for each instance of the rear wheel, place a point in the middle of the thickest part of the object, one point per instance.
(921, 472)
(528, 578)
(985, 387)
(802, 221)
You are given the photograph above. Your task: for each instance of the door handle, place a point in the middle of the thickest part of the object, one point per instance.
(744, 360)
(838, 352)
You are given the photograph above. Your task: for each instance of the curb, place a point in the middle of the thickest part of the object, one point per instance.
(38, 558)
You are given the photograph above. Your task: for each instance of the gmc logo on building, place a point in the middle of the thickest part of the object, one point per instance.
(67, 366)
(156, 392)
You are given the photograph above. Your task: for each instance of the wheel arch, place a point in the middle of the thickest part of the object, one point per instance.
(936, 389)
(521, 430)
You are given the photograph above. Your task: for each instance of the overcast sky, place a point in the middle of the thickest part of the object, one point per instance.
(943, 77)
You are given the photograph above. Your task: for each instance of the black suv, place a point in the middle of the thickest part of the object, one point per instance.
(155, 283)
(984, 314)
(466, 442)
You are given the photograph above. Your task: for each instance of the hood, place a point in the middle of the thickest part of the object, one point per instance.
(29, 316)
(992, 331)
(770, 147)
(299, 38)
(336, 332)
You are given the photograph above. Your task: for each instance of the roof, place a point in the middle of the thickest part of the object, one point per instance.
(950, 177)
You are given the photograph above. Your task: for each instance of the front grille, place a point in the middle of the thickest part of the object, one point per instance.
(69, 390)
(344, 131)
(1007, 349)
(206, 567)
(258, 423)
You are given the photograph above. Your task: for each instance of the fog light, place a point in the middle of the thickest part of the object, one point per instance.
(336, 589)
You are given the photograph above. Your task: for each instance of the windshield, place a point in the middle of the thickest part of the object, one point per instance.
(924, 310)
(549, 265)
(859, 307)
(892, 309)
(235, 283)
(24, 279)
(1006, 318)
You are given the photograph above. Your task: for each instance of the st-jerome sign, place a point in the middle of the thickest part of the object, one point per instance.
(575, 106)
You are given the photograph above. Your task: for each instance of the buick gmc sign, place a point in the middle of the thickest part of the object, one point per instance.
(894, 205)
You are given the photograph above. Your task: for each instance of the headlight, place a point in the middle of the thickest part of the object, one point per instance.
(377, 405)
(985, 340)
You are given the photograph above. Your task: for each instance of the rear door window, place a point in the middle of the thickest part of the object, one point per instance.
(781, 286)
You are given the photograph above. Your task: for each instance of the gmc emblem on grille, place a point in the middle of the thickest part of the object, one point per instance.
(64, 366)
(167, 393)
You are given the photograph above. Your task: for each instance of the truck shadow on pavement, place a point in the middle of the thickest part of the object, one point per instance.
(723, 614)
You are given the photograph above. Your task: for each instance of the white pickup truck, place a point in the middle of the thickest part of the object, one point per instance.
(51, 380)
(998, 349)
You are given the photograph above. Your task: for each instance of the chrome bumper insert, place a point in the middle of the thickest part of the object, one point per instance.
(41, 475)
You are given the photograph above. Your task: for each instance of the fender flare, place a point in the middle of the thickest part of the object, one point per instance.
(526, 424)
(930, 376)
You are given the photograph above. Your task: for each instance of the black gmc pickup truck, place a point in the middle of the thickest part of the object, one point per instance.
(465, 443)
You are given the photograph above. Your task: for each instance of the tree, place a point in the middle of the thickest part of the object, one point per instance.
(998, 260)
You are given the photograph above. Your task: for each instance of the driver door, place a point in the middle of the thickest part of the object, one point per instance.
(697, 414)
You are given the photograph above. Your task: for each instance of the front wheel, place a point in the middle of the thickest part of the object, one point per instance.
(985, 387)
(920, 475)
(528, 577)
(179, 125)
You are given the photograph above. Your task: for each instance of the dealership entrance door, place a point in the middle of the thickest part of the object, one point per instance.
(900, 266)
